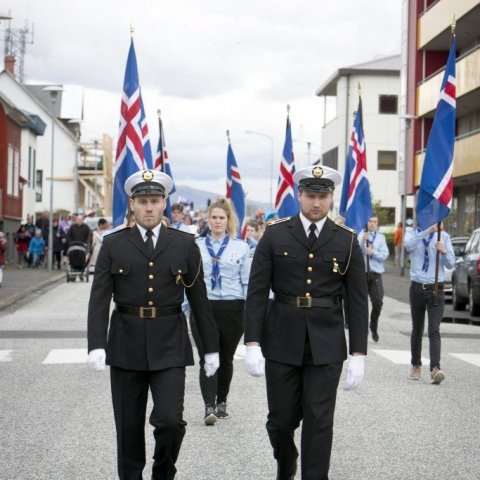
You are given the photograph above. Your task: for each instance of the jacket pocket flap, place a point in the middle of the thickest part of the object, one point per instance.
(178, 268)
(338, 256)
(286, 251)
(120, 269)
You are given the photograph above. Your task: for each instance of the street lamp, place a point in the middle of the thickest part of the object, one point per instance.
(54, 91)
(251, 132)
(75, 126)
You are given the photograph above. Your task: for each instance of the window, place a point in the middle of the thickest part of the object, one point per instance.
(330, 158)
(39, 186)
(387, 160)
(16, 173)
(388, 104)
(10, 171)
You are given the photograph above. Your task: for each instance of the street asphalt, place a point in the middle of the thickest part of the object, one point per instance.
(56, 420)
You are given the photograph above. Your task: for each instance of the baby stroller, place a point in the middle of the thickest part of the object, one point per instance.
(77, 262)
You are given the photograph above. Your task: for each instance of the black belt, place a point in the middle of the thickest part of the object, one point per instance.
(148, 312)
(427, 286)
(308, 302)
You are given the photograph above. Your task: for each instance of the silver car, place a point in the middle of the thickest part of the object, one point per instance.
(458, 244)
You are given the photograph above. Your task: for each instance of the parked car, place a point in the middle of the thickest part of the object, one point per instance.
(458, 244)
(466, 277)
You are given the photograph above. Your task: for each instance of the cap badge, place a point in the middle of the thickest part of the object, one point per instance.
(317, 172)
(147, 175)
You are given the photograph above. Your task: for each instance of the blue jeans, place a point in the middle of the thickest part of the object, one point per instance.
(422, 300)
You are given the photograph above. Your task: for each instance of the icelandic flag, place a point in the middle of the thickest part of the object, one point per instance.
(162, 164)
(286, 201)
(133, 146)
(436, 186)
(356, 202)
(235, 190)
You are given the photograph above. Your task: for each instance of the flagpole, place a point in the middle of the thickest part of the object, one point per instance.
(439, 224)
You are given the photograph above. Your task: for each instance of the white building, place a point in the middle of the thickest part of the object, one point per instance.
(379, 82)
(36, 152)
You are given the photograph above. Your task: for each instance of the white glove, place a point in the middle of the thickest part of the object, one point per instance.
(96, 360)
(212, 362)
(254, 361)
(355, 372)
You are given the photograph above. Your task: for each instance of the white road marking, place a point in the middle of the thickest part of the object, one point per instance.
(66, 355)
(399, 357)
(240, 352)
(5, 355)
(473, 358)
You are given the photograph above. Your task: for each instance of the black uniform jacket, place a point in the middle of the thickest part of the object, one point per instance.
(125, 270)
(284, 262)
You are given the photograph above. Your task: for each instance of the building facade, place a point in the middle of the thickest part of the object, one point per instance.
(378, 81)
(428, 25)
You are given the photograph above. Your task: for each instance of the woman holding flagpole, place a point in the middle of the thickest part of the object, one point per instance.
(226, 268)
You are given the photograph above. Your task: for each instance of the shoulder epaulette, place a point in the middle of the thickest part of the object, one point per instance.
(348, 229)
(279, 220)
(116, 230)
(180, 231)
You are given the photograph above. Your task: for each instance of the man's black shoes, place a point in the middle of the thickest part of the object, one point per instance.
(210, 415)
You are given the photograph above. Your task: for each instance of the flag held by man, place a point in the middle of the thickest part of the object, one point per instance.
(235, 191)
(356, 202)
(286, 201)
(436, 184)
(133, 147)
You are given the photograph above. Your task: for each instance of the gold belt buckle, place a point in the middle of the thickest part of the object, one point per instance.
(304, 302)
(148, 312)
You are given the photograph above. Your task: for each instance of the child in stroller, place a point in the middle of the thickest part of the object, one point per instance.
(77, 262)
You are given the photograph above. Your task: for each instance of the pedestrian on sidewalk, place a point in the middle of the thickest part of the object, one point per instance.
(36, 249)
(397, 243)
(226, 263)
(423, 247)
(148, 268)
(375, 252)
(305, 260)
(22, 239)
(3, 249)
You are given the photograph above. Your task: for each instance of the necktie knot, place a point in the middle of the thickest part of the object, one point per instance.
(149, 233)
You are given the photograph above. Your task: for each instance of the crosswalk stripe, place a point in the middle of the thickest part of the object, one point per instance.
(5, 355)
(399, 357)
(473, 358)
(66, 355)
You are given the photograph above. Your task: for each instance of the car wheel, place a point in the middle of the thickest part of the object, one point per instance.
(474, 307)
(457, 304)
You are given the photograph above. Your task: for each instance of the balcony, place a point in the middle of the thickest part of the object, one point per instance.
(465, 157)
(468, 87)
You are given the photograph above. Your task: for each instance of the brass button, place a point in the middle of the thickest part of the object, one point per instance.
(179, 271)
(120, 270)
(150, 277)
(309, 269)
(285, 253)
(310, 255)
(307, 294)
(150, 289)
(150, 302)
(309, 281)
(150, 264)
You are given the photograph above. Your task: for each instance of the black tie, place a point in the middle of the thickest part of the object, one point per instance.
(311, 236)
(149, 242)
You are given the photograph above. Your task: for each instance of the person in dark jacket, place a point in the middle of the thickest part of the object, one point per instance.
(148, 268)
(306, 260)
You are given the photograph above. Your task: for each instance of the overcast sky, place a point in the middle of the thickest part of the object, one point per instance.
(209, 65)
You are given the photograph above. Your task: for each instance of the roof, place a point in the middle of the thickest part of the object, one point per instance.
(380, 66)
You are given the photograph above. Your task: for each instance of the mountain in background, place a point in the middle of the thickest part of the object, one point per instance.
(200, 198)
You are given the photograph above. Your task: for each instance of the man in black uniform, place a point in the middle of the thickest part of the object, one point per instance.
(305, 260)
(147, 269)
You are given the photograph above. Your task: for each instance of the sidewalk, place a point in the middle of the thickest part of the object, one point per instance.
(19, 283)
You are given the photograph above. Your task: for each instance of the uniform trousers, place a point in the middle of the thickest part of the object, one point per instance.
(229, 317)
(305, 392)
(376, 293)
(422, 299)
(129, 396)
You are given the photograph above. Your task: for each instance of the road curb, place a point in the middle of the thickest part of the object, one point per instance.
(6, 302)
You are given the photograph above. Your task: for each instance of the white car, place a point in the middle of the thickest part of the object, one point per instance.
(458, 244)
